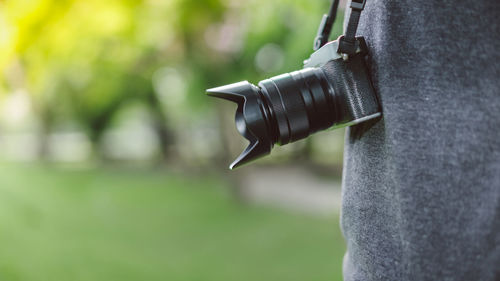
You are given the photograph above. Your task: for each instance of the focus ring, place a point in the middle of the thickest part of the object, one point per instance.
(270, 91)
(296, 114)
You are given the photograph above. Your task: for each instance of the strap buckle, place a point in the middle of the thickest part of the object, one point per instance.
(348, 42)
(358, 4)
(347, 47)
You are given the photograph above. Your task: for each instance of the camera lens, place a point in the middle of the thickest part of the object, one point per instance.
(282, 109)
(332, 91)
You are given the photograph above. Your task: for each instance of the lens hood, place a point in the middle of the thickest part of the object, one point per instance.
(252, 119)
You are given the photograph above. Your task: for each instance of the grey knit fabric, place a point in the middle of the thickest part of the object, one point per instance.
(421, 187)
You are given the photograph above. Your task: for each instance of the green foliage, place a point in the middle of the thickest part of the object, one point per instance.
(84, 60)
(131, 225)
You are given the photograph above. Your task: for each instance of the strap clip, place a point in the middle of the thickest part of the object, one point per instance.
(347, 42)
(347, 47)
(358, 4)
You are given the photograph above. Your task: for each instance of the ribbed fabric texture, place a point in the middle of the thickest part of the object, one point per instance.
(421, 187)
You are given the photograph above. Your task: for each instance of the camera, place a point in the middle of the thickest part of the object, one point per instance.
(333, 90)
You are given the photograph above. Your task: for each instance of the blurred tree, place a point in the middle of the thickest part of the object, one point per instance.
(84, 60)
(81, 59)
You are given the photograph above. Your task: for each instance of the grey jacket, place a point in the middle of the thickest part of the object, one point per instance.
(421, 187)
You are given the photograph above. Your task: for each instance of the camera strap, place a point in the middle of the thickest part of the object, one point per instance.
(325, 27)
(347, 42)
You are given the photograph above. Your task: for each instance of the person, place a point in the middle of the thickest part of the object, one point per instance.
(421, 186)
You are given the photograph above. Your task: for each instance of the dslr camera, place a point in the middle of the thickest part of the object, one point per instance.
(333, 90)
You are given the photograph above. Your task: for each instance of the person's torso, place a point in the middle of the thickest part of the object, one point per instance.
(421, 187)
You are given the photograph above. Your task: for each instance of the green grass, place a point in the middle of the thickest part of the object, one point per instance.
(123, 225)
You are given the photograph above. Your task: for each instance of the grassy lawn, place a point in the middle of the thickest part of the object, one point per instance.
(113, 224)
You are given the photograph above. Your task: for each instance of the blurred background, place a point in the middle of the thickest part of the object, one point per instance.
(113, 161)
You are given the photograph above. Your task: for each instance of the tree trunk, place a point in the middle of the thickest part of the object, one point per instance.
(229, 149)
(164, 134)
(43, 138)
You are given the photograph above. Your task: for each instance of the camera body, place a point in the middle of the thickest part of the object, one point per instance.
(350, 80)
(333, 90)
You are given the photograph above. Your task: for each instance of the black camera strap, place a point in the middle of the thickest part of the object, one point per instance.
(325, 27)
(347, 42)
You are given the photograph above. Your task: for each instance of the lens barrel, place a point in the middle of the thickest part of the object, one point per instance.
(300, 103)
